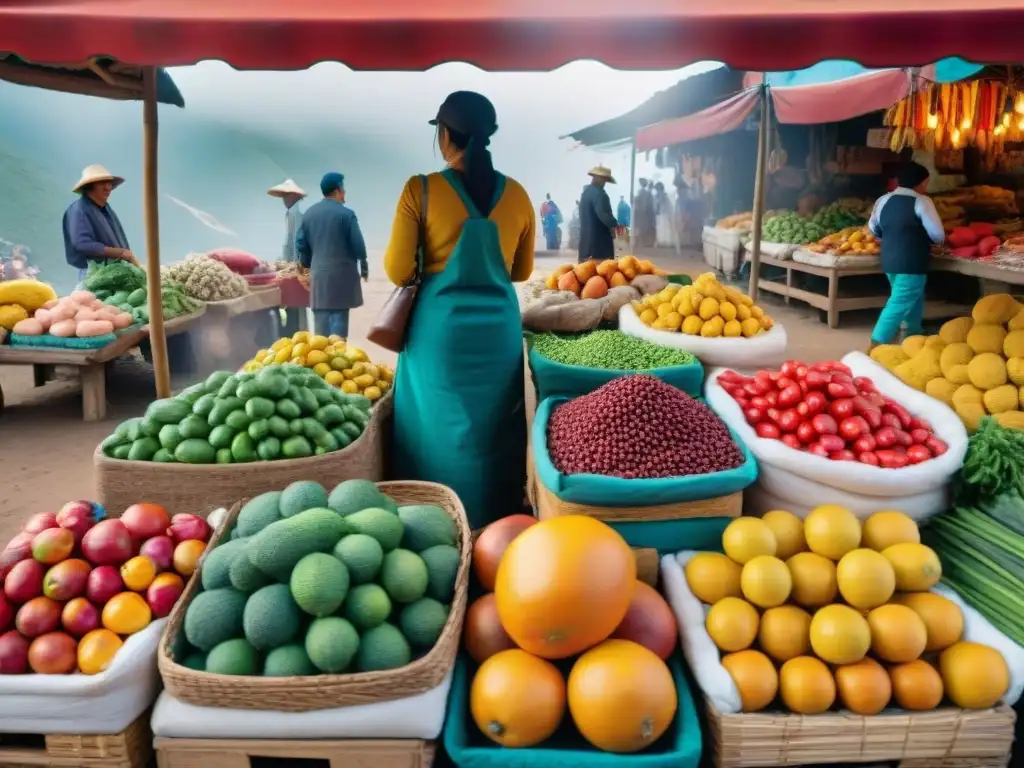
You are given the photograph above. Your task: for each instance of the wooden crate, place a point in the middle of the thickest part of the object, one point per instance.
(349, 753)
(132, 748)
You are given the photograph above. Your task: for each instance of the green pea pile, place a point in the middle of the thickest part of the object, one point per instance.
(610, 350)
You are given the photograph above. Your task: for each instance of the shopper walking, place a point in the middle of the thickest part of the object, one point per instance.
(597, 222)
(644, 216)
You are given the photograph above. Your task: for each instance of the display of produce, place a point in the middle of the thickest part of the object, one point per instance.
(850, 241)
(593, 280)
(975, 364)
(122, 285)
(310, 582)
(980, 541)
(608, 350)
(844, 621)
(80, 315)
(281, 412)
(823, 410)
(705, 308)
(638, 427)
(206, 279)
(338, 363)
(977, 240)
(791, 227)
(19, 299)
(567, 587)
(75, 584)
(739, 220)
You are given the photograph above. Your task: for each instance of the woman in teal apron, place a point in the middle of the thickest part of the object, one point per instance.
(459, 415)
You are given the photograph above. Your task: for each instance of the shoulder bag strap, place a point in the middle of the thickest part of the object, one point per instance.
(421, 245)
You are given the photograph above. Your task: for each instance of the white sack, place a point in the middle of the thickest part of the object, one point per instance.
(416, 717)
(802, 495)
(781, 468)
(764, 350)
(106, 703)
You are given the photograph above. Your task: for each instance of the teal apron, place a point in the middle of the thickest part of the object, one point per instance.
(459, 417)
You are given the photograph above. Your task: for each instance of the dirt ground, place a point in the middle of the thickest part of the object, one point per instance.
(46, 450)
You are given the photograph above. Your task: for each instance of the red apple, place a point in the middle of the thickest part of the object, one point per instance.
(24, 581)
(40, 522)
(184, 526)
(38, 616)
(77, 517)
(159, 549)
(66, 580)
(103, 583)
(108, 543)
(51, 546)
(145, 520)
(6, 613)
(13, 654)
(54, 653)
(19, 548)
(80, 617)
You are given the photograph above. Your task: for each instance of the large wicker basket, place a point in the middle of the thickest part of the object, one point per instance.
(201, 488)
(302, 694)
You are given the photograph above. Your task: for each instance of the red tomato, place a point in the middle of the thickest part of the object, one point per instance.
(841, 389)
(864, 384)
(760, 402)
(851, 428)
(755, 387)
(743, 401)
(885, 437)
(875, 399)
(873, 417)
(803, 410)
(789, 420)
(763, 375)
(892, 459)
(730, 376)
(900, 413)
(841, 408)
(936, 446)
(784, 381)
(868, 457)
(904, 439)
(768, 430)
(816, 402)
(773, 415)
(816, 380)
(843, 455)
(753, 415)
(921, 424)
(824, 424)
(792, 442)
(818, 450)
(735, 392)
(801, 371)
(864, 444)
(789, 367)
(772, 397)
(822, 367)
(920, 435)
(805, 432)
(918, 453)
(832, 443)
(891, 420)
(791, 395)
(803, 386)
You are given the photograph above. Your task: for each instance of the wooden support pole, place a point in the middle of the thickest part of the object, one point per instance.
(632, 195)
(151, 213)
(762, 162)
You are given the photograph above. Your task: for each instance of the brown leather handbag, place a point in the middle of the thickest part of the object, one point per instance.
(389, 329)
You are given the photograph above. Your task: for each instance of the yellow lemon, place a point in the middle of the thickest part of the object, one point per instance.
(322, 369)
(315, 357)
(789, 532)
(301, 336)
(840, 635)
(357, 354)
(814, 579)
(648, 316)
(382, 385)
(785, 632)
(251, 366)
(349, 387)
(319, 342)
(832, 531)
(372, 393)
(260, 354)
(363, 380)
(299, 360)
(712, 576)
(766, 581)
(884, 529)
(281, 344)
(373, 370)
(359, 366)
(340, 363)
(746, 538)
(386, 373)
(300, 349)
(334, 378)
(866, 579)
(917, 567)
(732, 624)
(336, 339)
(283, 355)
(349, 373)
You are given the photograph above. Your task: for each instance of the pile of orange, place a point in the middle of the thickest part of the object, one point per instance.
(566, 588)
(592, 279)
(827, 611)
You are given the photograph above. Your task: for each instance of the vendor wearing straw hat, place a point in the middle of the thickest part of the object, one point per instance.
(290, 193)
(597, 222)
(92, 231)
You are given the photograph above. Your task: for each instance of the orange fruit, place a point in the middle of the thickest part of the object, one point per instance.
(789, 532)
(942, 618)
(832, 531)
(732, 624)
(806, 685)
(784, 632)
(866, 579)
(766, 581)
(975, 676)
(516, 699)
(755, 678)
(712, 576)
(746, 538)
(897, 633)
(917, 567)
(883, 529)
(186, 556)
(840, 635)
(814, 579)
(96, 650)
(126, 613)
(916, 685)
(138, 573)
(864, 687)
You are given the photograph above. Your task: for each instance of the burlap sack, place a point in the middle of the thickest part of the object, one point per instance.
(554, 312)
(616, 299)
(648, 284)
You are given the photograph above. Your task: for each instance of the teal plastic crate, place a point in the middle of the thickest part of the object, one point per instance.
(671, 536)
(679, 747)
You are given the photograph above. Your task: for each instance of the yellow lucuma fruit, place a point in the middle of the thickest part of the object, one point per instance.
(941, 389)
(956, 353)
(1015, 370)
(996, 309)
(1003, 398)
(920, 369)
(984, 337)
(1013, 344)
(987, 371)
(11, 315)
(955, 331)
(1010, 419)
(889, 355)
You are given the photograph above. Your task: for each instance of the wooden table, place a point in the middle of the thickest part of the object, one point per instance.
(262, 298)
(994, 278)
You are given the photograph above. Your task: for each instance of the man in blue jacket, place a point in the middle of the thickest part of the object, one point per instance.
(92, 231)
(330, 244)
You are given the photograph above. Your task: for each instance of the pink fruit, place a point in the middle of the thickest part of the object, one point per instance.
(163, 593)
(13, 654)
(24, 581)
(6, 613)
(145, 520)
(38, 616)
(40, 522)
(159, 549)
(19, 548)
(108, 543)
(103, 583)
(77, 517)
(80, 617)
(184, 526)
(66, 580)
(51, 546)
(54, 653)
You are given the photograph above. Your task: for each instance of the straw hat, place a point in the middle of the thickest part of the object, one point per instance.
(600, 172)
(94, 173)
(288, 187)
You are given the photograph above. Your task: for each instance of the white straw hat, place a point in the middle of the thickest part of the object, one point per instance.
(600, 172)
(287, 187)
(94, 173)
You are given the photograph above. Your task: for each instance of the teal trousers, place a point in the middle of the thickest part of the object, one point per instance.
(905, 307)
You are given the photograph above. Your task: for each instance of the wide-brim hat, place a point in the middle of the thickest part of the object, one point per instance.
(96, 173)
(285, 188)
(600, 172)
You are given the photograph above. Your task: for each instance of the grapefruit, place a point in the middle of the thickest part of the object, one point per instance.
(866, 579)
(746, 538)
(766, 581)
(832, 531)
(755, 678)
(806, 685)
(840, 635)
(712, 576)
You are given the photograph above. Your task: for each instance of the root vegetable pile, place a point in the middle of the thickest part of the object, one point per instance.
(639, 427)
(824, 410)
(609, 350)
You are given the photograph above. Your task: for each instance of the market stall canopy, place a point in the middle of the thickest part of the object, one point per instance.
(96, 77)
(796, 104)
(946, 71)
(767, 35)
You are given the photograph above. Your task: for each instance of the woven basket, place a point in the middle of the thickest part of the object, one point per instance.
(201, 488)
(303, 694)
